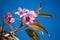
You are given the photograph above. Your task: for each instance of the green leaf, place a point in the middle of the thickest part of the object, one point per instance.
(45, 14)
(32, 34)
(37, 26)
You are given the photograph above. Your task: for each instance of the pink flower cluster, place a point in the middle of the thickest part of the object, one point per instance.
(21, 12)
(29, 15)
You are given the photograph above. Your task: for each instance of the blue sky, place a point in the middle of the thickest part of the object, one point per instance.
(50, 6)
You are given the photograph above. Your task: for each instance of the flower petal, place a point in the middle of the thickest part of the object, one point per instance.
(17, 13)
(12, 20)
(9, 14)
(19, 9)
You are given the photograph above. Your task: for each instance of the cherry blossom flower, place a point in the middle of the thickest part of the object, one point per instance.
(28, 19)
(31, 13)
(9, 17)
(21, 12)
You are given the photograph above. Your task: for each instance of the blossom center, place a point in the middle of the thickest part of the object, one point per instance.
(9, 18)
(27, 18)
(21, 12)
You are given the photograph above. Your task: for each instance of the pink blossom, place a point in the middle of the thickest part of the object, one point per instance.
(21, 12)
(28, 19)
(32, 14)
(9, 17)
